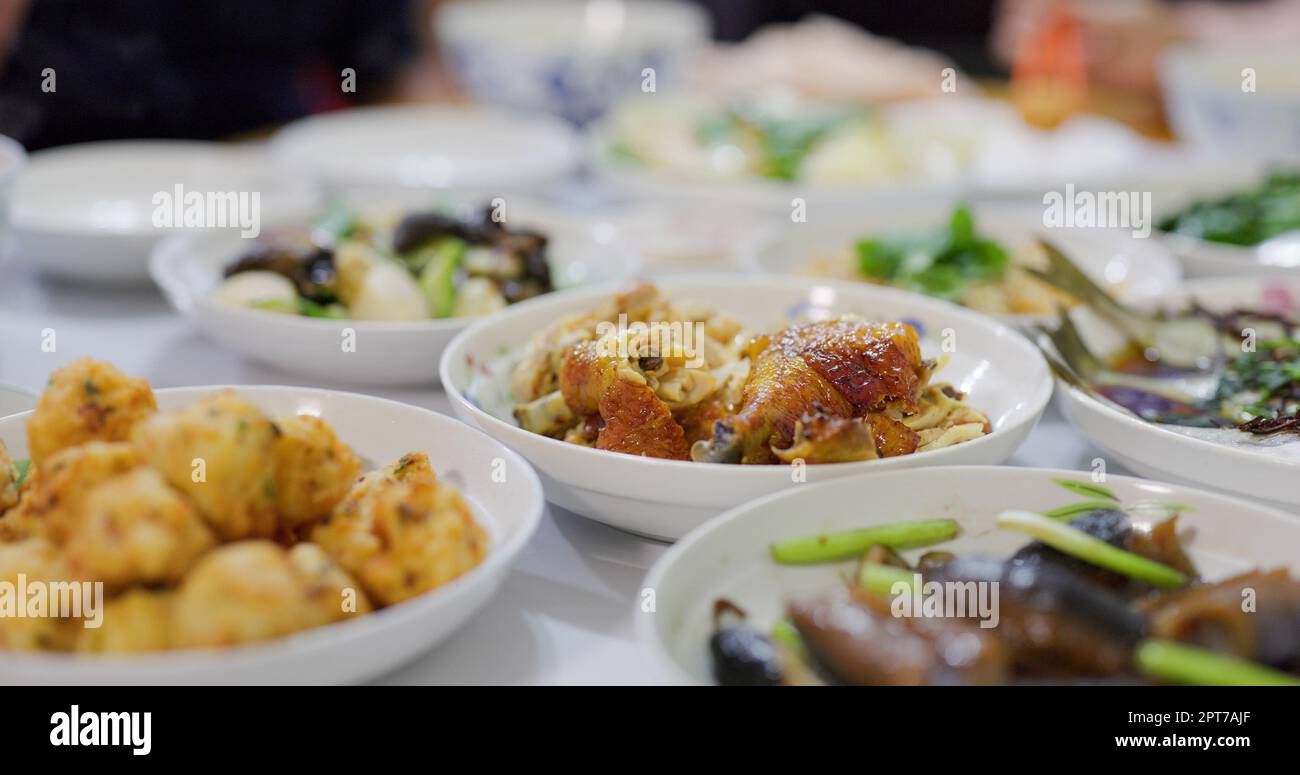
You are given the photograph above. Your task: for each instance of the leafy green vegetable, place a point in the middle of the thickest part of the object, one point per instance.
(939, 262)
(438, 276)
(22, 465)
(338, 222)
(1181, 663)
(1077, 543)
(829, 547)
(1073, 510)
(311, 309)
(1244, 218)
(784, 140)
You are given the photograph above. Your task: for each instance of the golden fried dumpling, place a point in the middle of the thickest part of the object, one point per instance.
(138, 620)
(239, 593)
(56, 488)
(135, 529)
(85, 401)
(8, 481)
(313, 470)
(333, 594)
(38, 562)
(402, 533)
(217, 451)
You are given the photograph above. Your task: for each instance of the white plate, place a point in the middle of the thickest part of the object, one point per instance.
(13, 157)
(1003, 373)
(730, 556)
(971, 147)
(379, 431)
(14, 399)
(86, 211)
(1128, 267)
(1158, 451)
(428, 147)
(189, 268)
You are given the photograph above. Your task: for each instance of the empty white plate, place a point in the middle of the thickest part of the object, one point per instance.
(88, 211)
(428, 147)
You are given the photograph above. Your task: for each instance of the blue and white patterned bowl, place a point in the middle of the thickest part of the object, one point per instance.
(571, 58)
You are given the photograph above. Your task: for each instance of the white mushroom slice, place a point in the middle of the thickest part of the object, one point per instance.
(388, 292)
(262, 290)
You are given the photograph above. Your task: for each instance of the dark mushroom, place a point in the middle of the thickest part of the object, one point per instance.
(310, 268)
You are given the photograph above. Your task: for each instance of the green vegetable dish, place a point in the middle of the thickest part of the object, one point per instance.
(1103, 593)
(417, 266)
(953, 261)
(1246, 218)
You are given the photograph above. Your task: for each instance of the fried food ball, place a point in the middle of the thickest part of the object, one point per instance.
(242, 592)
(333, 593)
(36, 560)
(86, 400)
(56, 488)
(8, 481)
(401, 532)
(218, 452)
(313, 470)
(138, 620)
(135, 529)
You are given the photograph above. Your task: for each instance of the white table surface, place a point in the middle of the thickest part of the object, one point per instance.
(565, 614)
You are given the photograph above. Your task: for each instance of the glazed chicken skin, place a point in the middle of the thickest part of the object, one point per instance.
(844, 367)
(673, 380)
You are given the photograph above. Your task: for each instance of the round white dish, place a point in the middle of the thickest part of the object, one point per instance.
(1267, 474)
(441, 147)
(1128, 267)
(730, 556)
(380, 431)
(14, 399)
(189, 268)
(571, 58)
(87, 211)
(1003, 374)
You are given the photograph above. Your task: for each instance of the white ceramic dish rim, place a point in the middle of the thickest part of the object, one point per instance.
(19, 159)
(647, 630)
(500, 559)
(1190, 287)
(173, 147)
(174, 249)
(584, 298)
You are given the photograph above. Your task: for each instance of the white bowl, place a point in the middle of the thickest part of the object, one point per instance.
(189, 268)
(1003, 373)
(413, 146)
(1209, 107)
(14, 399)
(1128, 267)
(1263, 473)
(730, 557)
(571, 58)
(86, 211)
(380, 431)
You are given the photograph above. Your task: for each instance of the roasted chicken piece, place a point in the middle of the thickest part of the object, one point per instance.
(846, 366)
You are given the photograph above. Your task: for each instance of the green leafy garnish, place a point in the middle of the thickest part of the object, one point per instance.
(311, 309)
(939, 262)
(1245, 218)
(1073, 510)
(22, 466)
(338, 222)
